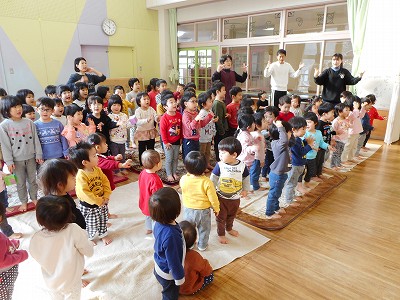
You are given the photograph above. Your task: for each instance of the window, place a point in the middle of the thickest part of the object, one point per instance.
(344, 47)
(265, 25)
(185, 33)
(235, 28)
(305, 20)
(186, 65)
(207, 31)
(336, 18)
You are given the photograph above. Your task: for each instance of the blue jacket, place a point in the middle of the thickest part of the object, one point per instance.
(299, 151)
(318, 143)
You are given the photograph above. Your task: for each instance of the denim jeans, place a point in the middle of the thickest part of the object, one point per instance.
(255, 171)
(171, 159)
(189, 145)
(201, 218)
(293, 178)
(170, 290)
(276, 183)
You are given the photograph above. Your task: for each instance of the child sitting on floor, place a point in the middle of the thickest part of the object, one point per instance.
(60, 248)
(198, 196)
(149, 183)
(198, 271)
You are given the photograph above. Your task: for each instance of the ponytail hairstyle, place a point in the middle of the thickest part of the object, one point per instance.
(152, 84)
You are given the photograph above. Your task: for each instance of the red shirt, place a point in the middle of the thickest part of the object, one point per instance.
(285, 117)
(153, 102)
(190, 127)
(373, 114)
(232, 109)
(108, 164)
(171, 128)
(149, 183)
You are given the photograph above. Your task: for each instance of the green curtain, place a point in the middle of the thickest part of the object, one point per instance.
(357, 11)
(173, 31)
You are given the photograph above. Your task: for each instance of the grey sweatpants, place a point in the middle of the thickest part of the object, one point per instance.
(25, 170)
(201, 218)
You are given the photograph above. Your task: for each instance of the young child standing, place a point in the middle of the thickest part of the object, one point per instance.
(28, 112)
(60, 248)
(340, 126)
(279, 168)
(104, 93)
(298, 154)
(64, 92)
(134, 85)
(54, 144)
(21, 148)
(198, 196)
(58, 113)
(232, 109)
(146, 116)
(149, 183)
(198, 271)
(81, 94)
(75, 131)
(219, 110)
(231, 180)
(284, 105)
(27, 97)
(207, 132)
(10, 258)
(169, 244)
(373, 115)
(262, 102)
(295, 106)
(171, 135)
(366, 125)
(92, 189)
(259, 158)
(191, 123)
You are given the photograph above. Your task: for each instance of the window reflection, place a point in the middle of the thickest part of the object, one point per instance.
(305, 20)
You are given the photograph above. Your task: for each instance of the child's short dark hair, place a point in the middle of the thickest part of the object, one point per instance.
(46, 102)
(132, 81)
(76, 62)
(340, 107)
(274, 131)
(324, 108)
(259, 95)
(246, 102)
(218, 86)
(311, 116)
(190, 85)
(102, 91)
(165, 205)
(7, 102)
(26, 108)
(298, 99)
(273, 110)
(150, 158)
(119, 87)
(94, 99)
(181, 85)
(165, 96)
(203, 97)
(186, 97)
(3, 92)
(195, 163)
(54, 172)
(284, 100)
(79, 153)
(96, 139)
(245, 121)
(281, 51)
(366, 100)
(346, 94)
(235, 90)
(139, 97)
(71, 110)
(58, 101)
(189, 233)
(53, 212)
(159, 82)
(372, 98)
(23, 93)
(79, 86)
(114, 99)
(223, 58)
(50, 89)
(298, 122)
(62, 88)
(230, 145)
(258, 118)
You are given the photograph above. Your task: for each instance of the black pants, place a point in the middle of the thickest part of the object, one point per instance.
(310, 170)
(320, 161)
(276, 96)
(367, 138)
(145, 145)
(217, 139)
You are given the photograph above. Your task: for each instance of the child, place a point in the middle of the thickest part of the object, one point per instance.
(3, 93)
(316, 101)
(103, 122)
(21, 148)
(219, 110)
(260, 154)
(169, 244)
(262, 102)
(207, 132)
(108, 164)
(28, 112)
(249, 147)
(92, 189)
(295, 106)
(104, 93)
(311, 156)
(10, 258)
(118, 135)
(57, 177)
(231, 180)
(134, 85)
(51, 91)
(64, 92)
(27, 97)
(298, 154)
(284, 105)
(179, 91)
(340, 126)
(355, 128)
(327, 114)
(149, 183)
(76, 131)
(270, 115)
(198, 271)
(366, 125)
(146, 116)
(80, 94)
(58, 113)
(247, 102)
(151, 93)
(233, 108)
(60, 248)
(126, 105)
(198, 196)
(191, 123)
(54, 145)
(373, 115)
(280, 147)
(161, 85)
(171, 135)
(344, 95)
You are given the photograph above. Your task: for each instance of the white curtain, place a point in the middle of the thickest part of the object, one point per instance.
(173, 27)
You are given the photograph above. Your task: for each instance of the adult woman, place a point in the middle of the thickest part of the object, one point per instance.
(85, 74)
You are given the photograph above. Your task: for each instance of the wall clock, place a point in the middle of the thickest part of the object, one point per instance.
(109, 27)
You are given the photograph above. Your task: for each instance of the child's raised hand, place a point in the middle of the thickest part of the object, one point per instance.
(278, 123)
(90, 121)
(364, 104)
(118, 157)
(100, 126)
(310, 140)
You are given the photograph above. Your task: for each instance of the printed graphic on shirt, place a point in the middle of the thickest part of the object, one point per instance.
(175, 130)
(96, 186)
(229, 185)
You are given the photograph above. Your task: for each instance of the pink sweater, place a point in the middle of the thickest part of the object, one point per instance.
(355, 121)
(249, 148)
(190, 127)
(341, 128)
(9, 254)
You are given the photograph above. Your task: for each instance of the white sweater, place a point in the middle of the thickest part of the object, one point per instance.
(280, 75)
(61, 256)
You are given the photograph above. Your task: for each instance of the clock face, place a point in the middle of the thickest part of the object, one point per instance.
(109, 27)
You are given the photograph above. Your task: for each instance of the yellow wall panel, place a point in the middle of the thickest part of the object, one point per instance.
(122, 61)
(123, 12)
(59, 10)
(19, 9)
(145, 18)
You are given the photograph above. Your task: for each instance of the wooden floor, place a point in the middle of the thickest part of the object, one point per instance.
(346, 247)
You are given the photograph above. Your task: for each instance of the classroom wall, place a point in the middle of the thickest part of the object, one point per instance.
(39, 40)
